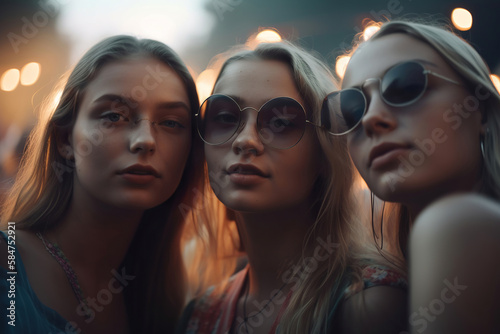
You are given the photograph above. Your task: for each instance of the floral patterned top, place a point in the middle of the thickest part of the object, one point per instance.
(214, 313)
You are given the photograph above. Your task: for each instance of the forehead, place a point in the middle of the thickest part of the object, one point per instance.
(257, 81)
(141, 77)
(375, 57)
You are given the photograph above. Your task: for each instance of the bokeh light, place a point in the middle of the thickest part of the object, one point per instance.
(264, 36)
(268, 36)
(369, 31)
(341, 65)
(9, 80)
(461, 18)
(496, 81)
(205, 83)
(30, 73)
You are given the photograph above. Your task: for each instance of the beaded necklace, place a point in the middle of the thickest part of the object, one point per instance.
(63, 261)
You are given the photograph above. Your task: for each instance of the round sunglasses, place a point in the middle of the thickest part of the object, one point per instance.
(281, 121)
(402, 85)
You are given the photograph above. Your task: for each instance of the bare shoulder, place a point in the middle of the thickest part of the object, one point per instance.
(457, 215)
(453, 245)
(379, 309)
(462, 208)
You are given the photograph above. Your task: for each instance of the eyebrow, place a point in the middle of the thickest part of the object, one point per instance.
(111, 98)
(122, 99)
(242, 102)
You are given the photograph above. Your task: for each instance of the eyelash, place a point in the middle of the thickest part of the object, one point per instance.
(177, 124)
(121, 117)
(108, 117)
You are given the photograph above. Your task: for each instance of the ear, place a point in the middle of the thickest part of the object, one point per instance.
(65, 146)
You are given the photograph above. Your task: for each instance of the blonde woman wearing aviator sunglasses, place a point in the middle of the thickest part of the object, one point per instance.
(286, 185)
(422, 120)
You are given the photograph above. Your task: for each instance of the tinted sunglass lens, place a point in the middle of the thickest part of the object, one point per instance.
(281, 122)
(343, 110)
(403, 84)
(219, 119)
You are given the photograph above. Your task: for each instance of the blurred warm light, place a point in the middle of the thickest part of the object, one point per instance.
(205, 83)
(267, 36)
(341, 65)
(192, 72)
(369, 31)
(30, 73)
(496, 81)
(461, 18)
(9, 80)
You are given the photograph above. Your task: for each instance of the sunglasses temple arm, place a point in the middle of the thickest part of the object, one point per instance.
(443, 77)
(322, 127)
(317, 125)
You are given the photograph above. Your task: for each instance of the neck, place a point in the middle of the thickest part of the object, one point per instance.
(95, 236)
(273, 243)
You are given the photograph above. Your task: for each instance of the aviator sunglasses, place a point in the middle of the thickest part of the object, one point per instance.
(402, 85)
(281, 121)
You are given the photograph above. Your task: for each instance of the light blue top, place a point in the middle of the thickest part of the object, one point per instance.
(31, 316)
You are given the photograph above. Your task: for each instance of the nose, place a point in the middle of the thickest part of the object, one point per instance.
(142, 138)
(379, 117)
(247, 139)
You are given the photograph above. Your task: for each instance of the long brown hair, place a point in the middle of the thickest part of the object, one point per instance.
(44, 186)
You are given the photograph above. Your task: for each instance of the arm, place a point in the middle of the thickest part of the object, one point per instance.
(379, 309)
(454, 271)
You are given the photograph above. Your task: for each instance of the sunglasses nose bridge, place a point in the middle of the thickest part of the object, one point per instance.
(369, 83)
(247, 135)
(248, 121)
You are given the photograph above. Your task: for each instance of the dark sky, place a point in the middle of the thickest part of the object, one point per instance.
(327, 26)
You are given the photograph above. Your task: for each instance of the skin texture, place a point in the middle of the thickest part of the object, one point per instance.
(455, 282)
(439, 135)
(254, 83)
(102, 139)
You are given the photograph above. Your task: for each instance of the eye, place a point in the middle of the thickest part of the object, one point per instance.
(225, 117)
(113, 117)
(171, 124)
(281, 122)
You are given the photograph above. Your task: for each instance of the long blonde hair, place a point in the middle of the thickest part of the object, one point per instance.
(44, 185)
(319, 292)
(473, 70)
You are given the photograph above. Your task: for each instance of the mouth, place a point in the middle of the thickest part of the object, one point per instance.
(245, 169)
(384, 150)
(140, 170)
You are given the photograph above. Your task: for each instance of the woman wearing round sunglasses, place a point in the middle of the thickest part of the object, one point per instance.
(422, 119)
(286, 183)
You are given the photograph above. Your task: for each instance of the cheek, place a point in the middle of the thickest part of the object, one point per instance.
(354, 152)
(90, 140)
(213, 156)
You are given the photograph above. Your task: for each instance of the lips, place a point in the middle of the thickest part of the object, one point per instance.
(140, 170)
(245, 169)
(384, 148)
